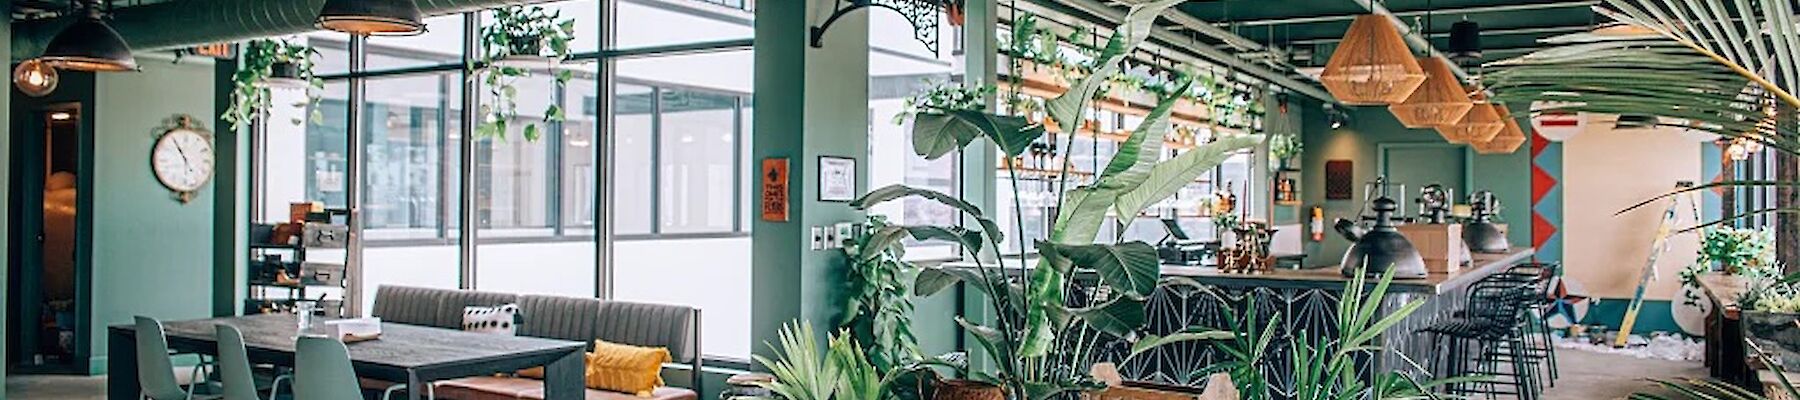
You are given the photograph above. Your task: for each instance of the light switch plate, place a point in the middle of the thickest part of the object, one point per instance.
(831, 237)
(845, 231)
(818, 238)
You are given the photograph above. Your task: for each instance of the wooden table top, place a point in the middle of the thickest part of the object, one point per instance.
(1724, 290)
(1434, 283)
(400, 346)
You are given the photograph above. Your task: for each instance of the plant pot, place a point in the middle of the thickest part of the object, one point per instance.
(528, 45)
(284, 70)
(962, 389)
(1777, 333)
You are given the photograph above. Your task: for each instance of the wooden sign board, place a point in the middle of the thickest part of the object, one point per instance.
(775, 189)
(221, 51)
(1339, 180)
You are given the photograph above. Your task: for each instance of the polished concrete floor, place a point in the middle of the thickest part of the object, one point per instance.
(1585, 376)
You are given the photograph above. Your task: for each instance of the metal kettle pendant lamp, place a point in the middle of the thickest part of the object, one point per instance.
(372, 17)
(1479, 125)
(1372, 65)
(89, 44)
(1437, 102)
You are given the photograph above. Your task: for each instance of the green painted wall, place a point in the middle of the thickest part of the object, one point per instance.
(152, 255)
(5, 190)
(810, 102)
(1508, 175)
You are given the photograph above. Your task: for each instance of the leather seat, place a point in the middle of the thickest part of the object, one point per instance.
(503, 388)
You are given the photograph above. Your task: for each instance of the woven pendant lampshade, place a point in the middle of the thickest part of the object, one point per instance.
(1507, 141)
(1481, 123)
(1372, 65)
(1437, 102)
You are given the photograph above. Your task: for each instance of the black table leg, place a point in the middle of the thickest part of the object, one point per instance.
(121, 365)
(565, 379)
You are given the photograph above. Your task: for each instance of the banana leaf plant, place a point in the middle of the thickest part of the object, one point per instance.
(1030, 300)
(1728, 68)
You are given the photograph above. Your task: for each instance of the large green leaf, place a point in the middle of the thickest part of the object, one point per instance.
(1151, 342)
(940, 132)
(898, 191)
(930, 281)
(888, 235)
(1131, 268)
(1170, 176)
(1122, 316)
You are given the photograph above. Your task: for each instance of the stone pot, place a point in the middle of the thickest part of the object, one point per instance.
(284, 70)
(962, 389)
(1777, 333)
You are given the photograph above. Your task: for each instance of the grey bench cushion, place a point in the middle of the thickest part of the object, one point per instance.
(450, 308)
(653, 325)
(565, 318)
(408, 305)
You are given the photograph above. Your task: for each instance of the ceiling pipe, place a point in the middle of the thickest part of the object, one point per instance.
(1209, 53)
(175, 24)
(1484, 33)
(1415, 13)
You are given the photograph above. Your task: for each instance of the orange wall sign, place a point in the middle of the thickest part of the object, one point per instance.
(775, 189)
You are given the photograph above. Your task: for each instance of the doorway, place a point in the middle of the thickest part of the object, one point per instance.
(47, 330)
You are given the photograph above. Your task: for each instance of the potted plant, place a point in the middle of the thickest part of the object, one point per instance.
(1283, 148)
(1038, 340)
(521, 41)
(267, 64)
(1770, 313)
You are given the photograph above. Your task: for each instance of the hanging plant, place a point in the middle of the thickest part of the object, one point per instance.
(520, 41)
(269, 63)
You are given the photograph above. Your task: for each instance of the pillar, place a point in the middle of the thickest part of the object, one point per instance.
(809, 102)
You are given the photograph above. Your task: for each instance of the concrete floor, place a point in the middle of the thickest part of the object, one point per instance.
(1585, 376)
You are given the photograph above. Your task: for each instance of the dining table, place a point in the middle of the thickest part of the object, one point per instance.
(409, 354)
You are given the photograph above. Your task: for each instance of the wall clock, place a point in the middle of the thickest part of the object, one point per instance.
(182, 158)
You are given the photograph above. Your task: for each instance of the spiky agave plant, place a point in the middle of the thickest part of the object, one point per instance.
(1723, 67)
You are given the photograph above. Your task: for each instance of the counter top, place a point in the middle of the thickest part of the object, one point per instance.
(1331, 278)
(1724, 290)
(1435, 283)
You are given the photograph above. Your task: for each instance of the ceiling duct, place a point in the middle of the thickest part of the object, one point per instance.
(176, 24)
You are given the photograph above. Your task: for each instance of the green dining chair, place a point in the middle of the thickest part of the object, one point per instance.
(234, 366)
(156, 374)
(322, 371)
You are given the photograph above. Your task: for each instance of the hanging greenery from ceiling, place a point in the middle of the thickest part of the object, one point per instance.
(266, 61)
(519, 42)
(1728, 68)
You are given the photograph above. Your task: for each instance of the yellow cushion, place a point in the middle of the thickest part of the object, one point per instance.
(625, 368)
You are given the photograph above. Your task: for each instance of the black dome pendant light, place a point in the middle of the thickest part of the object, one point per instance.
(89, 44)
(1465, 42)
(372, 17)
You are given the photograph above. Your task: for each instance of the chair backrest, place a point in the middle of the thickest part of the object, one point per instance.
(156, 375)
(322, 370)
(234, 364)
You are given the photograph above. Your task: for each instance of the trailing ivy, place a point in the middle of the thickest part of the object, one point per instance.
(251, 96)
(521, 31)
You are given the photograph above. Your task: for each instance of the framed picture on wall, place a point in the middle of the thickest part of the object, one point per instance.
(1339, 175)
(837, 179)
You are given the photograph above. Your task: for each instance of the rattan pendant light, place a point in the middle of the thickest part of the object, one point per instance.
(1372, 65)
(1437, 102)
(1507, 141)
(1478, 125)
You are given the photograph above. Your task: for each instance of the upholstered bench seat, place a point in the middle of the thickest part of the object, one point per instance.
(502, 388)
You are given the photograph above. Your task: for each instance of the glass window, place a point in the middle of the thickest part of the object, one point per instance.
(679, 131)
(410, 204)
(697, 135)
(442, 43)
(643, 23)
(633, 115)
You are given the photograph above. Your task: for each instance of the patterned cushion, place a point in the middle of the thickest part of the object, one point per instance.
(501, 320)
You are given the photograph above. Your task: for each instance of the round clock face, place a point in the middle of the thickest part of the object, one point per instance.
(182, 160)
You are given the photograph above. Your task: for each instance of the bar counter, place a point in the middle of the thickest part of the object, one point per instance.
(1307, 301)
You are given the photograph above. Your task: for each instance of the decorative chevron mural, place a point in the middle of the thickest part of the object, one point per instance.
(1546, 198)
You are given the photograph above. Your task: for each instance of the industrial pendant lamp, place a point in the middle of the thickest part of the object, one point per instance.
(372, 17)
(89, 44)
(1479, 125)
(1507, 141)
(35, 79)
(1437, 102)
(1465, 42)
(1372, 65)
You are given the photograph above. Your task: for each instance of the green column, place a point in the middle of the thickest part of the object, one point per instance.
(5, 190)
(809, 102)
